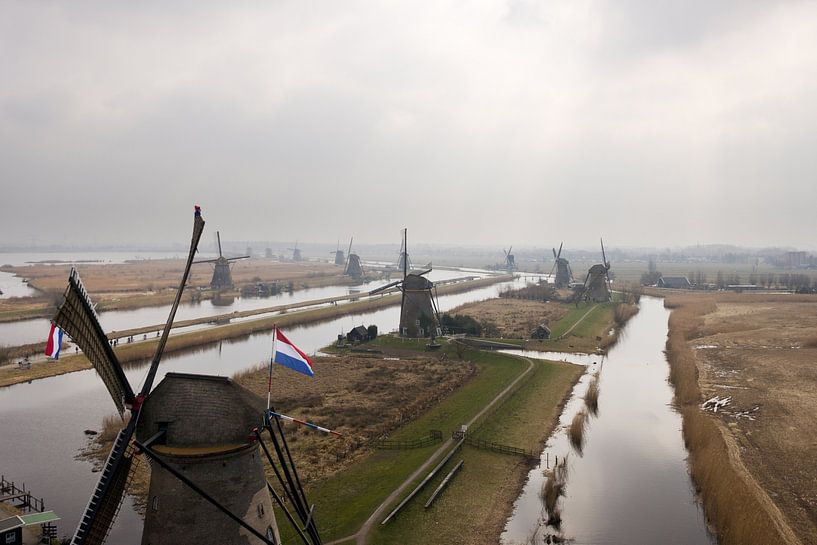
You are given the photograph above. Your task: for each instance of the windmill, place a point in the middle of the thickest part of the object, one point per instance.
(510, 260)
(419, 315)
(353, 267)
(296, 253)
(596, 285)
(340, 259)
(201, 436)
(564, 276)
(403, 261)
(222, 276)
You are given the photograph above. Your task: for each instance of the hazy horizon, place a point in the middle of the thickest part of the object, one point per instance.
(487, 123)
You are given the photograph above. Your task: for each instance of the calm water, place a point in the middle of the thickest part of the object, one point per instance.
(42, 423)
(630, 483)
(31, 331)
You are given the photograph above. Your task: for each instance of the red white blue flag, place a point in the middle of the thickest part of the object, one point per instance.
(287, 354)
(54, 343)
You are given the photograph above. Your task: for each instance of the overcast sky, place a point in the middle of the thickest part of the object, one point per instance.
(497, 122)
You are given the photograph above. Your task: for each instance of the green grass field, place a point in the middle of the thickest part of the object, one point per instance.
(345, 500)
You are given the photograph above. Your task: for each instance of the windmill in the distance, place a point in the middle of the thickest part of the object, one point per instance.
(353, 266)
(340, 259)
(201, 434)
(419, 315)
(222, 274)
(596, 287)
(564, 275)
(510, 260)
(296, 253)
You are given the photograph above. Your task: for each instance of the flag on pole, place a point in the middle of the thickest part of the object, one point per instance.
(54, 343)
(287, 354)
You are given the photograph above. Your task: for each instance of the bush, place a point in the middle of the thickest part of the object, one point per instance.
(460, 323)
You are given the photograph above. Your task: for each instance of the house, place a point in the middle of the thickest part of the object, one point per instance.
(542, 331)
(358, 334)
(674, 282)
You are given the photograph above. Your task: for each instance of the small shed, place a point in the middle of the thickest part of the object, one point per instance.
(358, 334)
(11, 531)
(542, 331)
(674, 282)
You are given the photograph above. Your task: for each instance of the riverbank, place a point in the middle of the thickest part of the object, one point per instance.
(149, 283)
(756, 352)
(145, 349)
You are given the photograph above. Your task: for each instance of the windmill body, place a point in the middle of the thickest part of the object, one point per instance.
(564, 275)
(200, 434)
(353, 267)
(222, 273)
(340, 259)
(206, 422)
(419, 316)
(510, 260)
(596, 287)
(296, 253)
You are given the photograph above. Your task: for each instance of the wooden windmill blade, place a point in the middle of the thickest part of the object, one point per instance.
(104, 504)
(76, 316)
(198, 228)
(387, 286)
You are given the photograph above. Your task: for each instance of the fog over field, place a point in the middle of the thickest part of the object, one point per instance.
(485, 122)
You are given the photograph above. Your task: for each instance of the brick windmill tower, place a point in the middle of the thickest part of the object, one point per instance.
(419, 316)
(202, 437)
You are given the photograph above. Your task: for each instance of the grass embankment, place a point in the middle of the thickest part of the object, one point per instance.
(345, 500)
(142, 350)
(475, 506)
(734, 503)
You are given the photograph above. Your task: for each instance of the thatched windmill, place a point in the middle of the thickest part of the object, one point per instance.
(353, 266)
(419, 316)
(201, 435)
(510, 260)
(564, 275)
(596, 287)
(296, 253)
(340, 259)
(222, 274)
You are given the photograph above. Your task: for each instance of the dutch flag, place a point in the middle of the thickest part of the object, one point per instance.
(54, 343)
(287, 354)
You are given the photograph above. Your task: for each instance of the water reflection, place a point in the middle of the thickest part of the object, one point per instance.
(630, 484)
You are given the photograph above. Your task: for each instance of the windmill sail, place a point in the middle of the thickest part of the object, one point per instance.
(76, 316)
(77, 312)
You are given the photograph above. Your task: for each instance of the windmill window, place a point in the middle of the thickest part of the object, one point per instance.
(271, 534)
(154, 504)
(260, 510)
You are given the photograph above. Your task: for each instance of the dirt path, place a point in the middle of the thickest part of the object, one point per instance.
(362, 534)
(580, 320)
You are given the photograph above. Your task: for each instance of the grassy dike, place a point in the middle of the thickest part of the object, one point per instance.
(733, 502)
(143, 350)
(477, 503)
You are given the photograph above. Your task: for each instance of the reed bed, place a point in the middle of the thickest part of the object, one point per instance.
(552, 489)
(591, 397)
(734, 504)
(575, 431)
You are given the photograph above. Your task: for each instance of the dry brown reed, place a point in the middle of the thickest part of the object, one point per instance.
(591, 397)
(552, 489)
(810, 343)
(576, 431)
(734, 504)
